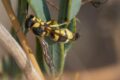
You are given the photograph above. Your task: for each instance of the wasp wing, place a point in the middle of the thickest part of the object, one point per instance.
(46, 54)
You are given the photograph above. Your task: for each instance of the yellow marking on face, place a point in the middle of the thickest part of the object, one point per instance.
(36, 25)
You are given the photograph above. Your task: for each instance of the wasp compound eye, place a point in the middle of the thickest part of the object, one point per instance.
(29, 22)
(76, 36)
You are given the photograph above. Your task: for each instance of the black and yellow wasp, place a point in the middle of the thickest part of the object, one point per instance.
(51, 29)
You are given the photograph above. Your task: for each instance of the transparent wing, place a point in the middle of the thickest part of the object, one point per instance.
(46, 54)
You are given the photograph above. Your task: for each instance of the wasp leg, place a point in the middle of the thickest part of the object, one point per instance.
(52, 22)
(46, 56)
(58, 25)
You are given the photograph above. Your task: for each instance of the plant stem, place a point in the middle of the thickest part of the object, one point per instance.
(62, 62)
(15, 50)
(21, 36)
(63, 16)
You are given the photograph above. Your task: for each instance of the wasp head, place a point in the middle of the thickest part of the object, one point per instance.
(29, 22)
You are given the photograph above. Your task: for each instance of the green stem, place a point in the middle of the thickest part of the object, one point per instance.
(68, 10)
(10, 66)
(62, 58)
(22, 10)
(63, 16)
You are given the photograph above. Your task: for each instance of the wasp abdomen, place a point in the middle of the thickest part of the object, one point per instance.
(61, 35)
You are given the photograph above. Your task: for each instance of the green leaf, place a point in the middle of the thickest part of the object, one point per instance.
(73, 8)
(41, 11)
(71, 27)
(58, 58)
(68, 9)
(22, 11)
(39, 55)
(21, 15)
(10, 66)
(40, 8)
(67, 12)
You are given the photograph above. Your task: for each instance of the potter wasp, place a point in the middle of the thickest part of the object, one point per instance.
(50, 29)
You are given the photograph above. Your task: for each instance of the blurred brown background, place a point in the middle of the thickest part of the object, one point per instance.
(99, 45)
